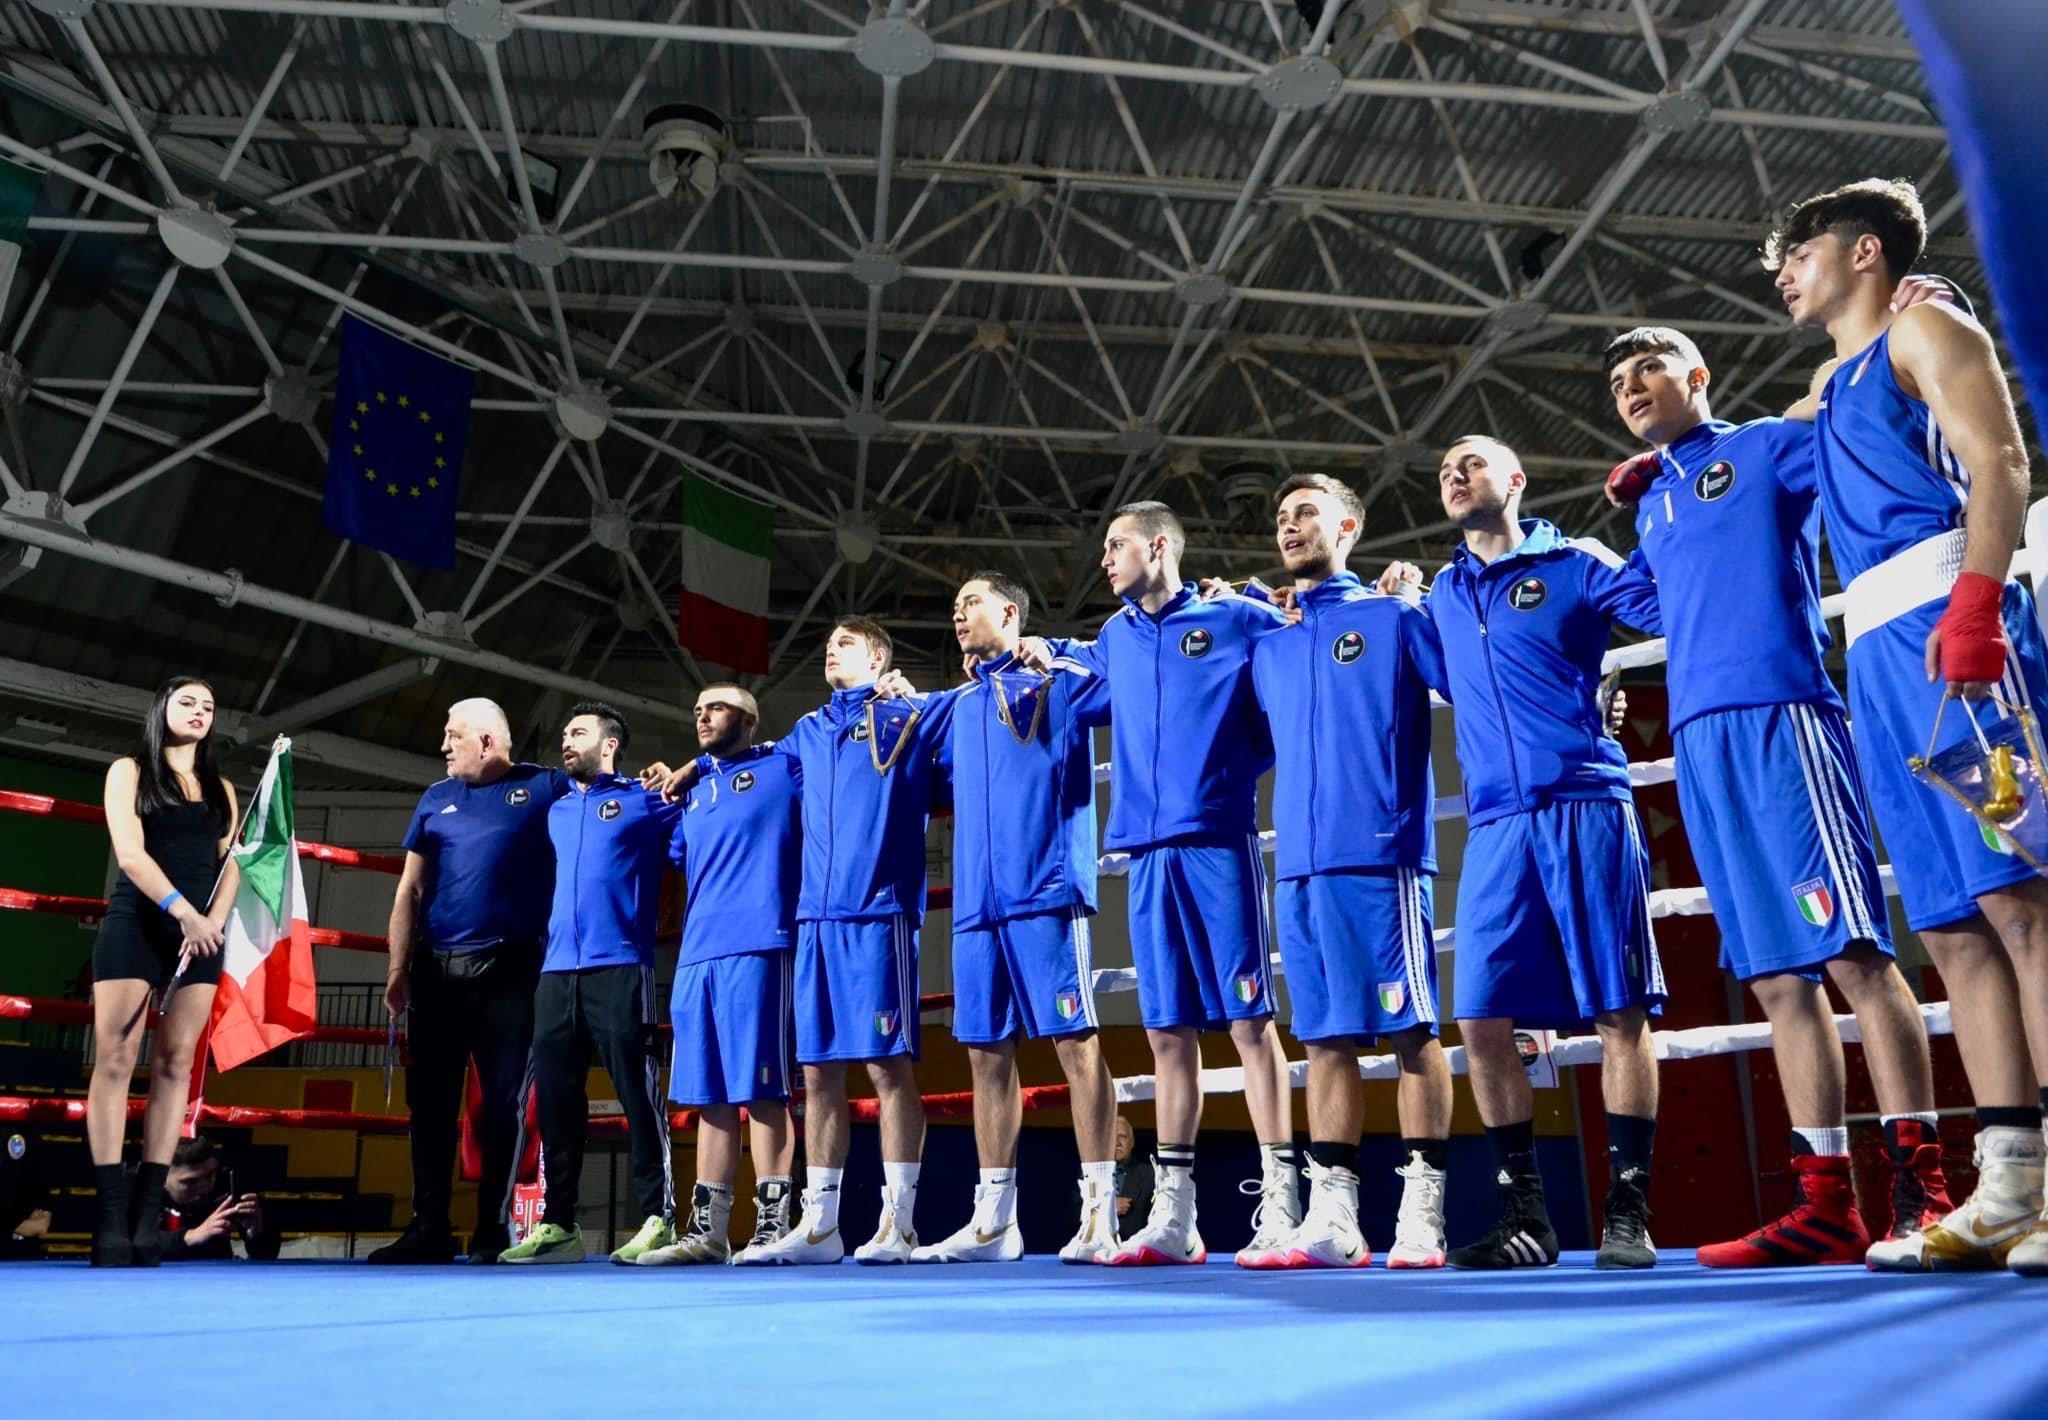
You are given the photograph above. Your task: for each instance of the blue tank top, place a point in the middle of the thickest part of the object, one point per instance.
(1888, 478)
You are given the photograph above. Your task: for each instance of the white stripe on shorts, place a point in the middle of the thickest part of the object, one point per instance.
(1836, 838)
(1414, 942)
(1080, 932)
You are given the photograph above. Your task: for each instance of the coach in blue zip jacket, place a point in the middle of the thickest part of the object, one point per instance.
(1553, 925)
(596, 992)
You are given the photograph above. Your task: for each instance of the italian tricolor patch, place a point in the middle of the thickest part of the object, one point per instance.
(1816, 903)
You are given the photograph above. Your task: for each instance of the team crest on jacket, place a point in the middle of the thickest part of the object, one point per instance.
(743, 781)
(1196, 643)
(885, 1022)
(1347, 648)
(1714, 480)
(860, 732)
(1528, 594)
(1247, 989)
(516, 797)
(610, 809)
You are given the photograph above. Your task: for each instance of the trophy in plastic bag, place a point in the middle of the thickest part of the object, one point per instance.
(1995, 775)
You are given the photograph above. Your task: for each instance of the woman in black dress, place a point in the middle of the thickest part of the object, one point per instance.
(172, 820)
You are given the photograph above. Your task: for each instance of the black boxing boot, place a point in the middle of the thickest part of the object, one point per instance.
(147, 1206)
(112, 1236)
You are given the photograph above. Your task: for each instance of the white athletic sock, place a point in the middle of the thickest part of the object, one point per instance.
(1827, 1143)
(999, 1178)
(1102, 1174)
(1282, 1160)
(1930, 1118)
(902, 1180)
(825, 1183)
(1003, 1205)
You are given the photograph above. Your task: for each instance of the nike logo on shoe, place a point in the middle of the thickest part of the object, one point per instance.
(820, 1239)
(983, 1239)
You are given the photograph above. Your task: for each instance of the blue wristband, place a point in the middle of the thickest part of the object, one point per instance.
(170, 899)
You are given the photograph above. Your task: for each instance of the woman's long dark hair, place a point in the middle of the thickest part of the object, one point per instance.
(157, 786)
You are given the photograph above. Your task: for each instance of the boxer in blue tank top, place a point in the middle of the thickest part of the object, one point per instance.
(1923, 486)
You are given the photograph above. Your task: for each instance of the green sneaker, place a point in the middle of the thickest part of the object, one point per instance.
(547, 1243)
(656, 1232)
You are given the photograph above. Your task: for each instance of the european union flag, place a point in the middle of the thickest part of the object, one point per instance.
(394, 463)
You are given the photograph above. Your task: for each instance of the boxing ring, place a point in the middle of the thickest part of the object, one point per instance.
(1678, 1340)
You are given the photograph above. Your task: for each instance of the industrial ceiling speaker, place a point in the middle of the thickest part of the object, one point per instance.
(685, 144)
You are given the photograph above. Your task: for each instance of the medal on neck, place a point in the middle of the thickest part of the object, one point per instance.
(1020, 702)
(888, 723)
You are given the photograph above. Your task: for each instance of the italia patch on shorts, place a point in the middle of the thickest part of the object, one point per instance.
(1068, 1004)
(1247, 989)
(1393, 995)
(885, 1022)
(1993, 839)
(1816, 903)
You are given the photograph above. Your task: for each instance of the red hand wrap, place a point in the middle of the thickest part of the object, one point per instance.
(1629, 481)
(1972, 634)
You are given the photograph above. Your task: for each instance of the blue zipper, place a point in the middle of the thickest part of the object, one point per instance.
(1499, 704)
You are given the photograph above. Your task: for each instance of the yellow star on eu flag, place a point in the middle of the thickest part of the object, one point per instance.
(433, 482)
(392, 489)
(440, 462)
(380, 397)
(355, 425)
(361, 408)
(438, 438)
(404, 403)
(358, 450)
(415, 490)
(426, 418)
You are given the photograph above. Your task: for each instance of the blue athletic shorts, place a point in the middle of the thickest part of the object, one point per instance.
(856, 989)
(1553, 921)
(1358, 951)
(1778, 825)
(734, 1031)
(1200, 933)
(1032, 975)
(1941, 860)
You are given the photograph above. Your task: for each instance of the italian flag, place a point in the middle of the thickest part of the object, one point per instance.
(726, 543)
(267, 995)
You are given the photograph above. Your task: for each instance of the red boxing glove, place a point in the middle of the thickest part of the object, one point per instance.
(1972, 633)
(1631, 480)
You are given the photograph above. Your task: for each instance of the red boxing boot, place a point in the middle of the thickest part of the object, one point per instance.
(1823, 1228)
(1919, 1187)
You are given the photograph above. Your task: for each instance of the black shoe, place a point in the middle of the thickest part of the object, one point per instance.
(417, 1245)
(1524, 1237)
(146, 1207)
(771, 1213)
(113, 1234)
(1625, 1238)
(486, 1243)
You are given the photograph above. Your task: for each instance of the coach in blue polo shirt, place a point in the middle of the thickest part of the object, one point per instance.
(466, 930)
(596, 992)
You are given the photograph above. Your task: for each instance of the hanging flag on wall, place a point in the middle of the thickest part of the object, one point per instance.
(394, 461)
(726, 545)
